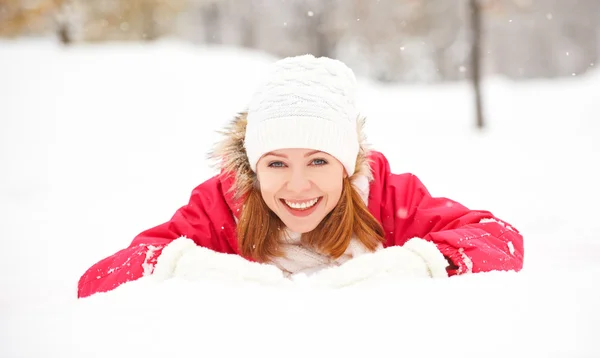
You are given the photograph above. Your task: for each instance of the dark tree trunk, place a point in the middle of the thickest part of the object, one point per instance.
(475, 16)
(64, 34)
(212, 26)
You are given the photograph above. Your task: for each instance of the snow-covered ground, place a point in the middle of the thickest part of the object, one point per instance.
(98, 143)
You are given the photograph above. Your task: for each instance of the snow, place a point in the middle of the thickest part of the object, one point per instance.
(466, 260)
(100, 142)
(149, 255)
(503, 224)
(511, 247)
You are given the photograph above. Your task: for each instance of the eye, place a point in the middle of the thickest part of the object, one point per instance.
(319, 162)
(276, 165)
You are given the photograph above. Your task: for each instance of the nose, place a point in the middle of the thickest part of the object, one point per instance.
(298, 181)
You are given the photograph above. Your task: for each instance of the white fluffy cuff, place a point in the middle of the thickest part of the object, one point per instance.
(436, 262)
(416, 259)
(183, 258)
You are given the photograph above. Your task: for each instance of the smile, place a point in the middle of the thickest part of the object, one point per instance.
(301, 205)
(302, 208)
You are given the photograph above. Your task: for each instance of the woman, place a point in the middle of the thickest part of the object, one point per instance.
(299, 192)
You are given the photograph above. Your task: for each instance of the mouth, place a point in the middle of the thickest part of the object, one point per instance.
(301, 208)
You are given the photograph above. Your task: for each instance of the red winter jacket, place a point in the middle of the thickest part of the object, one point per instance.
(474, 240)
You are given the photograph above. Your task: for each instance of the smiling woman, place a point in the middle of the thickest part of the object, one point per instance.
(306, 193)
(299, 192)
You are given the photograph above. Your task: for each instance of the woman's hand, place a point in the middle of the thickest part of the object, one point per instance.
(417, 258)
(184, 259)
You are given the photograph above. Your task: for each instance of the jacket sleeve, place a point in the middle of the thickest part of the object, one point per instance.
(472, 240)
(198, 220)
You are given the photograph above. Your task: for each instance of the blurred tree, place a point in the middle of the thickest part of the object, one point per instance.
(106, 20)
(414, 41)
(18, 17)
(542, 38)
(211, 21)
(389, 40)
(475, 16)
(66, 17)
(23, 17)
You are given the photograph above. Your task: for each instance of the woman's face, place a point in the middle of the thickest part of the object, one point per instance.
(301, 186)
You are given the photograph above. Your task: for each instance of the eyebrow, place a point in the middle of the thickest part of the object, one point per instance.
(285, 156)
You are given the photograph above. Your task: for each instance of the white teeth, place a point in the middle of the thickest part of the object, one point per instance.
(301, 206)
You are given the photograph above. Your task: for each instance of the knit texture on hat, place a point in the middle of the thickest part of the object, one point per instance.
(305, 102)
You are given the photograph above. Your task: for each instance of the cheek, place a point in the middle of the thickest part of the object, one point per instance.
(331, 184)
(336, 192)
(268, 195)
(269, 186)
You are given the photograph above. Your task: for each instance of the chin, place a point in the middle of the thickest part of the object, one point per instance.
(301, 229)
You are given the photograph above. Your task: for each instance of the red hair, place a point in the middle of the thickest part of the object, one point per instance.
(259, 229)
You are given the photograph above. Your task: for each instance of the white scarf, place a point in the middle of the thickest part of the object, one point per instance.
(300, 259)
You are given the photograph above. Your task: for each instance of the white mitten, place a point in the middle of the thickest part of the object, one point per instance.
(183, 258)
(417, 258)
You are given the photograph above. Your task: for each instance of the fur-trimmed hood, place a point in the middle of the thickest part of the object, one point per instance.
(229, 157)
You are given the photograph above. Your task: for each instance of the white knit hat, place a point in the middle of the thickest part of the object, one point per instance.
(305, 102)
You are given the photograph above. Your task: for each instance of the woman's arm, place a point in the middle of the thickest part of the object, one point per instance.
(206, 219)
(472, 240)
